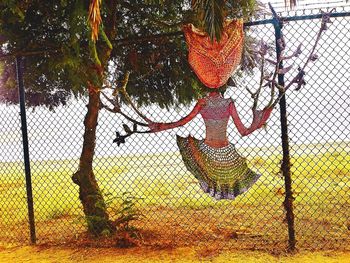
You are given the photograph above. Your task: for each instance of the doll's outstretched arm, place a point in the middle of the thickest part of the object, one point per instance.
(157, 126)
(259, 119)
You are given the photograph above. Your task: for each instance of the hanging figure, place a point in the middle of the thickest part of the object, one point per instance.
(214, 161)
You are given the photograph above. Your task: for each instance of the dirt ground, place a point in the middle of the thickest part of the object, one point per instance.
(41, 254)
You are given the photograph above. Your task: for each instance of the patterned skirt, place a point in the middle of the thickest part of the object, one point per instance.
(221, 172)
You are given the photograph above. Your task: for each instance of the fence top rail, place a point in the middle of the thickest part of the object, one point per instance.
(177, 33)
(295, 18)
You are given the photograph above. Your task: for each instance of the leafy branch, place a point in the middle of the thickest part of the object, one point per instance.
(212, 13)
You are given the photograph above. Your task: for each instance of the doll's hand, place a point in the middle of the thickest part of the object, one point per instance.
(260, 117)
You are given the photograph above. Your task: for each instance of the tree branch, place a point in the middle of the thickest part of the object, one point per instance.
(140, 39)
(23, 53)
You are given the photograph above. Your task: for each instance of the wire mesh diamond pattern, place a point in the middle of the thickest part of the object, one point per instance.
(150, 170)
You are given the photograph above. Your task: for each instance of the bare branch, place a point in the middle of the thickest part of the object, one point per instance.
(271, 61)
(257, 93)
(296, 53)
(128, 99)
(114, 110)
(299, 78)
(284, 70)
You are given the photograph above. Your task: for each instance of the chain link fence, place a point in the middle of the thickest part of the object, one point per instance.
(148, 169)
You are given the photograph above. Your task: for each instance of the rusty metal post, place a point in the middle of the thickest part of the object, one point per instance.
(288, 201)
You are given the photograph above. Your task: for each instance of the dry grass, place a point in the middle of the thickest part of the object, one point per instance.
(177, 214)
(44, 254)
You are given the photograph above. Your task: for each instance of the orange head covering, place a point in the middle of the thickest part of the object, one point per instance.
(212, 61)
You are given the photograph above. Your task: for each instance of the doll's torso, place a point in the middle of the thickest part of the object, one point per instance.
(216, 114)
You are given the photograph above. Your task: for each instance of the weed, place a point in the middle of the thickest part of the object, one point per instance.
(126, 213)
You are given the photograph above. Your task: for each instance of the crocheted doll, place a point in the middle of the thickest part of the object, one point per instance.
(214, 161)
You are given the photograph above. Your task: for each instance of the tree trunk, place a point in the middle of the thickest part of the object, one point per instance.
(89, 193)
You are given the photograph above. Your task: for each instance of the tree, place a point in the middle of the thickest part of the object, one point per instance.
(53, 37)
(141, 36)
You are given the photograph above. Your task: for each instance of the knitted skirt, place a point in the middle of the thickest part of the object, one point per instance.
(221, 172)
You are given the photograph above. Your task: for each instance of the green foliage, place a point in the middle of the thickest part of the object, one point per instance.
(148, 42)
(242, 8)
(153, 49)
(54, 35)
(212, 17)
(155, 2)
(126, 213)
(211, 14)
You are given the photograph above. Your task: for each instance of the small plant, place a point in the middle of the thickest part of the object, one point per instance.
(127, 234)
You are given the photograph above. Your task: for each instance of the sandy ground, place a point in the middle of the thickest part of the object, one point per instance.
(41, 254)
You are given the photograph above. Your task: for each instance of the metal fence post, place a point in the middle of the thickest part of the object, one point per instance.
(30, 204)
(288, 201)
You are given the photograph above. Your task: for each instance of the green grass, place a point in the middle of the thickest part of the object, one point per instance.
(321, 185)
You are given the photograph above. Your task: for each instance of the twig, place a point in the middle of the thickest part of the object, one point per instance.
(299, 78)
(117, 109)
(325, 20)
(128, 99)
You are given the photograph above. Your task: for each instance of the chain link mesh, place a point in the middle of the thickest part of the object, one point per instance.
(150, 170)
